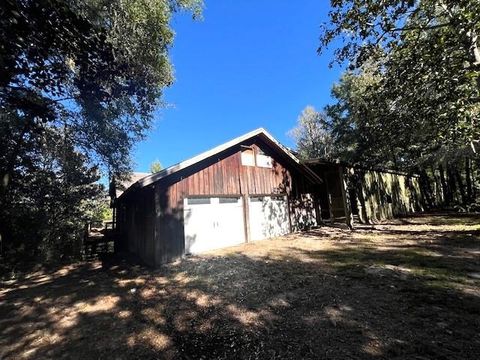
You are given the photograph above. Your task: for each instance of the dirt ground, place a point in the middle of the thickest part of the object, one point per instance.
(407, 289)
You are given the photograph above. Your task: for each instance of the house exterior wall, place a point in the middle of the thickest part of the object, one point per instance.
(153, 225)
(136, 225)
(303, 212)
(227, 176)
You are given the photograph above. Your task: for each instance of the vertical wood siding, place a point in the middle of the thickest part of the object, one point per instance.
(137, 224)
(385, 195)
(155, 226)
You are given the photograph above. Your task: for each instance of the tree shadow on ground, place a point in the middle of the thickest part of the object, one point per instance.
(441, 218)
(289, 303)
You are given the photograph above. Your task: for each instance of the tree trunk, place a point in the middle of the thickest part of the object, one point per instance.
(426, 188)
(475, 178)
(437, 192)
(461, 186)
(445, 189)
(394, 158)
(452, 185)
(468, 179)
(474, 47)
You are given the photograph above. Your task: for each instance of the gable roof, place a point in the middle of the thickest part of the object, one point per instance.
(260, 132)
(132, 179)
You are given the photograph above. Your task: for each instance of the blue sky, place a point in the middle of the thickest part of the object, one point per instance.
(247, 64)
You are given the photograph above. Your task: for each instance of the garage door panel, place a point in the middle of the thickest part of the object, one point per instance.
(199, 228)
(256, 218)
(268, 217)
(230, 224)
(214, 224)
(278, 216)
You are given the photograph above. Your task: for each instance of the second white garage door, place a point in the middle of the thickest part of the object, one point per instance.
(213, 223)
(268, 217)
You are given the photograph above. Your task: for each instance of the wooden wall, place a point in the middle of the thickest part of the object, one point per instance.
(224, 174)
(227, 176)
(374, 195)
(136, 225)
(303, 212)
(383, 195)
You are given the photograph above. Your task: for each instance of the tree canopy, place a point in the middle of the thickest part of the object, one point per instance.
(156, 166)
(79, 81)
(97, 67)
(425, 59)
(311, 136)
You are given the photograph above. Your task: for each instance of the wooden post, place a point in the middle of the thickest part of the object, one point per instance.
(346, 198)
(329, 198)
(114, 218)
(318, 209)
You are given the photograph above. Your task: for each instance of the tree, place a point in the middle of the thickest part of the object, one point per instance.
(97, 67)
(427, 56)
(155, 167)
(370, 27)
(410, 97)
(79, 82)
(364, 129)
(311, 136)
(52, 189)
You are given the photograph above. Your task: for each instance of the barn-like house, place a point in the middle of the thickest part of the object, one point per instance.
(247, 189)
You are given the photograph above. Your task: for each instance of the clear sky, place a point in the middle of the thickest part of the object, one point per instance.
(247, 64)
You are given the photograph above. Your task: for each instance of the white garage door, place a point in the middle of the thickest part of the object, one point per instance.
(268, 217)
(213, 223)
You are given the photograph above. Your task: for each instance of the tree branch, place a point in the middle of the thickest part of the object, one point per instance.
(422, 28)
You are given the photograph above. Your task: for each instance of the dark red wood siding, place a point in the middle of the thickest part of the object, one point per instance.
(219, 175)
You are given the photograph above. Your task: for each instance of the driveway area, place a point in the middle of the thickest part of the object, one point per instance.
(406, 289)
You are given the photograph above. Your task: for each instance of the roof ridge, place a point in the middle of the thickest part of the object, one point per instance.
(149, 179)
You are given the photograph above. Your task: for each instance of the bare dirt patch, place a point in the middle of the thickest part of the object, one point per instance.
(399, 290)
